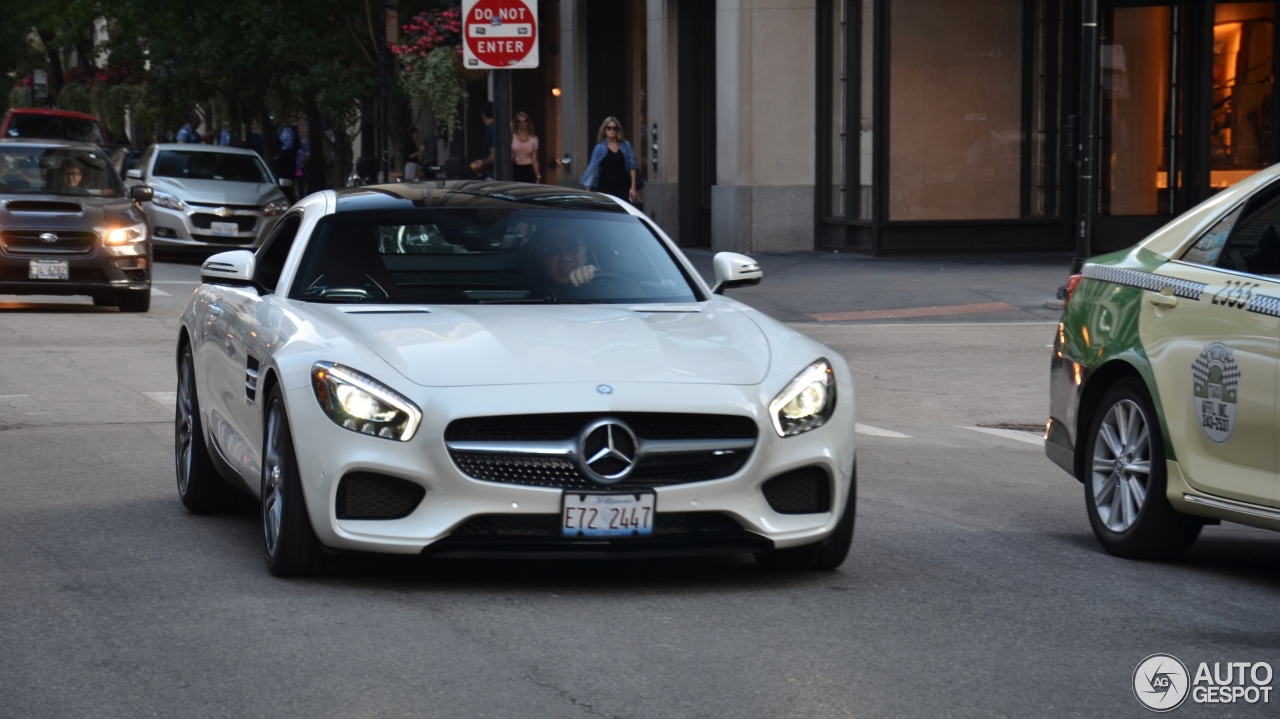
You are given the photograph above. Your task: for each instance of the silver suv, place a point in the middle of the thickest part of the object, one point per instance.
(208, 196)
(69, 227)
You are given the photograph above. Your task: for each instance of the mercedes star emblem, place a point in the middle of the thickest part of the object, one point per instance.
(48, 237)
(607, 449)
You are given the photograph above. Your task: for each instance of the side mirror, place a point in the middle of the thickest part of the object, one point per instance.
(134, 174)
(229, 268)
(141, 193)
(284, 182)
(735, 270)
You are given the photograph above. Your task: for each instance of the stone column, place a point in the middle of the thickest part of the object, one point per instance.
(661, 201)
(573, 88)
(763, 198)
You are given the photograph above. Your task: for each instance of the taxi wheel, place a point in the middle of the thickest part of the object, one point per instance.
(1125, 479)
(291, 544)
(823, 556)
(200, 487)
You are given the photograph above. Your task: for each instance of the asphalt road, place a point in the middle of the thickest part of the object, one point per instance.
(974, 587)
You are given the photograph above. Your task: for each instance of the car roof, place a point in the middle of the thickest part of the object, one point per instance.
(49, 142)
(470, 194)
(199, 147)
(49, 111)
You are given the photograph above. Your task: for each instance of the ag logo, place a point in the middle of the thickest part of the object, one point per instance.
(1160, 682)
(1215, 380)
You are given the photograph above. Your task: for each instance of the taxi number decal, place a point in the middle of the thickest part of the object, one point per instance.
(1235, 294)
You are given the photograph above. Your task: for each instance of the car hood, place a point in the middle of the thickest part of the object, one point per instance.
(66, 212)
(469, 345)
(218, 192)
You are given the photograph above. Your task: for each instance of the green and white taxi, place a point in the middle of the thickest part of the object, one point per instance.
(1163, 392)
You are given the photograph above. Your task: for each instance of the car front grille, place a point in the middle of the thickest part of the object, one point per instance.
(366, 495)
(205, 220)
(221, 239)
(544, 526)
(537, 450)
(800, 491)
(67, 242)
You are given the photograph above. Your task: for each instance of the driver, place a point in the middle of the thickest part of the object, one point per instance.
(70, 176)
(562, 258)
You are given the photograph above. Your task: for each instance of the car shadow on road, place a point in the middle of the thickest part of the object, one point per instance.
(52, 308)
(1252, 558)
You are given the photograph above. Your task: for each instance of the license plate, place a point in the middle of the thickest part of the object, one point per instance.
(48, 270)
(607, 515)
(225, 229)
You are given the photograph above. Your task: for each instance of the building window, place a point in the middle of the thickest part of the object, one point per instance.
(1243, 40)
(955, 110)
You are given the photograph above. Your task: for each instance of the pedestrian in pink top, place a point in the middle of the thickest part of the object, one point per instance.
(524, 150)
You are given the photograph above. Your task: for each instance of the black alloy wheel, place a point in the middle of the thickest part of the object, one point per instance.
(292, 549)
(200, 487)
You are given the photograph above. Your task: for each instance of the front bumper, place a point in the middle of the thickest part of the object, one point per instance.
(327, 452)
(191, 228)
(99, 270)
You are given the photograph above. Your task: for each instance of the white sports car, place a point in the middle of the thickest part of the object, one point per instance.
(492, 367)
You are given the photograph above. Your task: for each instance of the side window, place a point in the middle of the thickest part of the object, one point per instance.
(272, 254)
(1246, 240)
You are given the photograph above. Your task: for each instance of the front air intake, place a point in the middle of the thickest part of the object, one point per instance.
(800, 491)
(366, 495)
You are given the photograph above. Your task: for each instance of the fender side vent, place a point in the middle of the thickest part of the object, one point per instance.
(251, 379)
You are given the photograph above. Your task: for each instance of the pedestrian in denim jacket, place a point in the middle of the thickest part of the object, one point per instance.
(613, 169)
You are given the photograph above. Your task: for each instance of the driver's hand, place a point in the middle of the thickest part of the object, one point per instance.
(582, 275)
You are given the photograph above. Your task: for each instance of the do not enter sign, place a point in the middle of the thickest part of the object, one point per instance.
(499, 34)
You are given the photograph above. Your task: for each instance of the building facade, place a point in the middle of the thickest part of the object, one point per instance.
(898, 126)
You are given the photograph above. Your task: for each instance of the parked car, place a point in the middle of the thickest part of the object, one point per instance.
(539, 370)
(1163, 387)
(68, 226)
(42, 123)
(208, 196)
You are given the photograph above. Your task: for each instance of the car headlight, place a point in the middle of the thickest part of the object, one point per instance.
(167, 201)
(275, 208)
(807, 402)
(360, 403)
(124, 235)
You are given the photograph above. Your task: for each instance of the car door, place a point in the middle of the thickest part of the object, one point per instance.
(1213, 338)
(250, 322)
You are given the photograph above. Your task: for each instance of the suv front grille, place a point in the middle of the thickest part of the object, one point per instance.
(540, 450)
(67, 242)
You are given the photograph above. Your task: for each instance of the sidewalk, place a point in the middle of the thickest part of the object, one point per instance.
(843, 287)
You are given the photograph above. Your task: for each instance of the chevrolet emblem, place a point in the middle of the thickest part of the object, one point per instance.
(224, 212)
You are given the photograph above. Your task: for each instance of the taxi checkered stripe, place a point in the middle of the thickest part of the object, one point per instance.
(1264, 305)
(1144, 280)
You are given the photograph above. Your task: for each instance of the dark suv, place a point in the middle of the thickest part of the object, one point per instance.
(68, 226)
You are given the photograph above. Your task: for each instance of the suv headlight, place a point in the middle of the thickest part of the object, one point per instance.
(275, 208)
(807, 402)
(124, 235)
(167, 201)
(360, 403)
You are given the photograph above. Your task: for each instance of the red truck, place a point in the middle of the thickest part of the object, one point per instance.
(36, 122)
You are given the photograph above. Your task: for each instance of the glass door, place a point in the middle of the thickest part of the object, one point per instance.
(1241, 136)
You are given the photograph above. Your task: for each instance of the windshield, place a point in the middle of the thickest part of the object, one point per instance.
(57, 171)
(488, 256)
(225, 166)
(55, 127)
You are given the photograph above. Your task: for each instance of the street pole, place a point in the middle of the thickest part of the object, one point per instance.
(1086, 192)
(502, 122)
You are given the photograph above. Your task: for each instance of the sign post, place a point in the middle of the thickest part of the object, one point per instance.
(500, 35)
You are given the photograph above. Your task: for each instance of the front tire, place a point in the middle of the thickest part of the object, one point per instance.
(1125, 478)
(200, 487)
(292, 549)
(133, 300)
(823, 556)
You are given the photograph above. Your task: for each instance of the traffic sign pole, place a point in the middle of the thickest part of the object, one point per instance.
(502, 118)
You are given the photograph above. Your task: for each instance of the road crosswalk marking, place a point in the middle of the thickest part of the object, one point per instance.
(1016, 434)
(877, 432)
(165, 398)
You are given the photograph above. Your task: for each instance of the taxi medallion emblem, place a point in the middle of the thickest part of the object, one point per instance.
(1215, 383)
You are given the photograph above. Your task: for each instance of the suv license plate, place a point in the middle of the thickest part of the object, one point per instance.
(607, 515)
(48, 270)
(224, 229)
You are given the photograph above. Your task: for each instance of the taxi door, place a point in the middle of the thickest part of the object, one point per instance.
(1212, 334)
